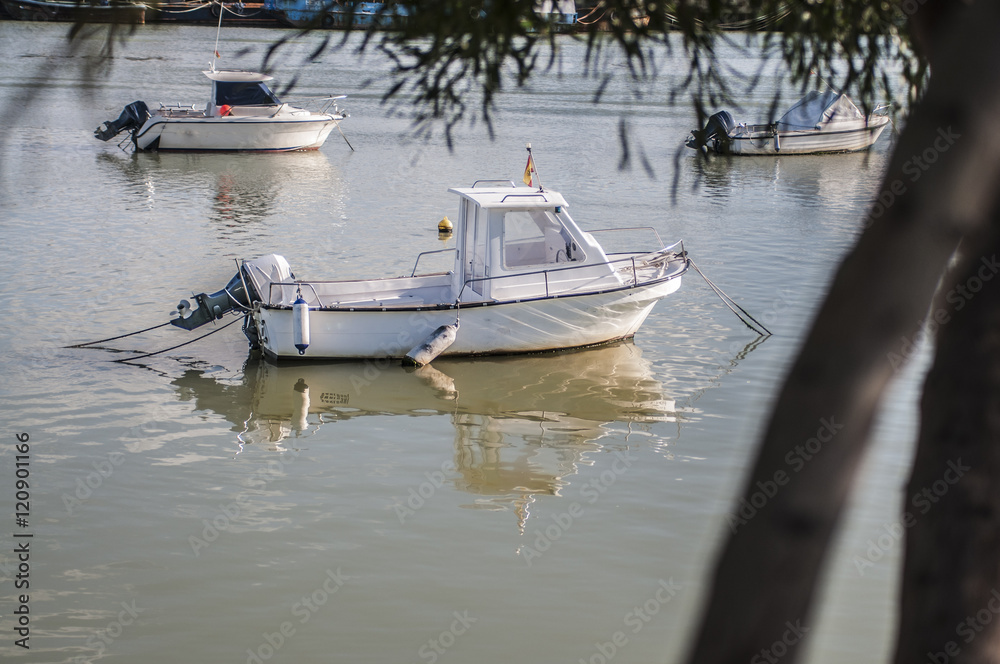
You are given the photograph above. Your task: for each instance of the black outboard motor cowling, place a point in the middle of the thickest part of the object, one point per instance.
(718, 127)
(209, 307)
(133, 117)
(243, 293)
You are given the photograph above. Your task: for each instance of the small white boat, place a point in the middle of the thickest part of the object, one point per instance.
(242, 114)
(820, 122)
(526, 278)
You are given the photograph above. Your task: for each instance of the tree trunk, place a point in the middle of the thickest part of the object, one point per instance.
(950, 599)
(939, 187)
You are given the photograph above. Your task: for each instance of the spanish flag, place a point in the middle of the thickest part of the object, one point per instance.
(529, 168)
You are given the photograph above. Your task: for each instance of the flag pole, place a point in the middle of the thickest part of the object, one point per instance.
(222, 10)
(532, 169)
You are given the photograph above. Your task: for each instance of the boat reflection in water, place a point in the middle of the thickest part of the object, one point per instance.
(815, 181)
(523, 424)
(242, 188)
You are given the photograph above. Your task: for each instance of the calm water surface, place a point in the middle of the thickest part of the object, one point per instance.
(209, 507)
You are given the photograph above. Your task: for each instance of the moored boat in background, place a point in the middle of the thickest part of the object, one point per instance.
(820, 122)
(561, 14)
(242, 114)
(209, 12)
(337, 13)
(104, 11)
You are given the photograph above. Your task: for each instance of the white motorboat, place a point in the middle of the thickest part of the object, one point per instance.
(526, 278)
(820, 122)
(242, 114)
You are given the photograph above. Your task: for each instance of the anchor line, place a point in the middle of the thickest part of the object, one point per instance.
(120, 336)
(337, 125)
(730, 302)
(139, 357)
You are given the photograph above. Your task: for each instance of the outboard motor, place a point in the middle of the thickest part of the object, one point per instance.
(133, 117)
(241, 292)
(209, 307)
(717, 127)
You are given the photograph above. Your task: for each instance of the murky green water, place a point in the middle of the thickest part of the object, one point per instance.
(555, 508)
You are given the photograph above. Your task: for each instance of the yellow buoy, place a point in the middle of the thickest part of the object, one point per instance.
(445, 226)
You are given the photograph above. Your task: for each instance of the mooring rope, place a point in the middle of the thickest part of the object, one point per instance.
(120, 336)
(581, 20)
(139, 357)
(337, 125)
(730, 302)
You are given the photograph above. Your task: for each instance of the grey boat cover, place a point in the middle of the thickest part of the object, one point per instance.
(819, 108)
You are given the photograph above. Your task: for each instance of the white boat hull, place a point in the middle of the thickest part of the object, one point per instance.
(235, 134)
(492, 328)
(526, 279)
(803, 142)
(242, 115)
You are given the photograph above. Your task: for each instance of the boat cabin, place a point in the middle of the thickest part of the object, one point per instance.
(238, 89)
(517, 242)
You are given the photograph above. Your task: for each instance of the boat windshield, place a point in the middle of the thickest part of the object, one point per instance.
(534, 237)
(244, 93)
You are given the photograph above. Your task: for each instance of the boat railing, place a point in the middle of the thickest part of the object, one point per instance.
(770, 128)
(180, 109)
(324, 105)
(659, 242)
(534, 195)
(312, 288)
(289, 285)
(302, 100)
(635, 266)
(478, 182)
(427, 253)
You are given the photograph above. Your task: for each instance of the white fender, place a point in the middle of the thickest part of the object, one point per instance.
(300, 325)
(435, 344)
